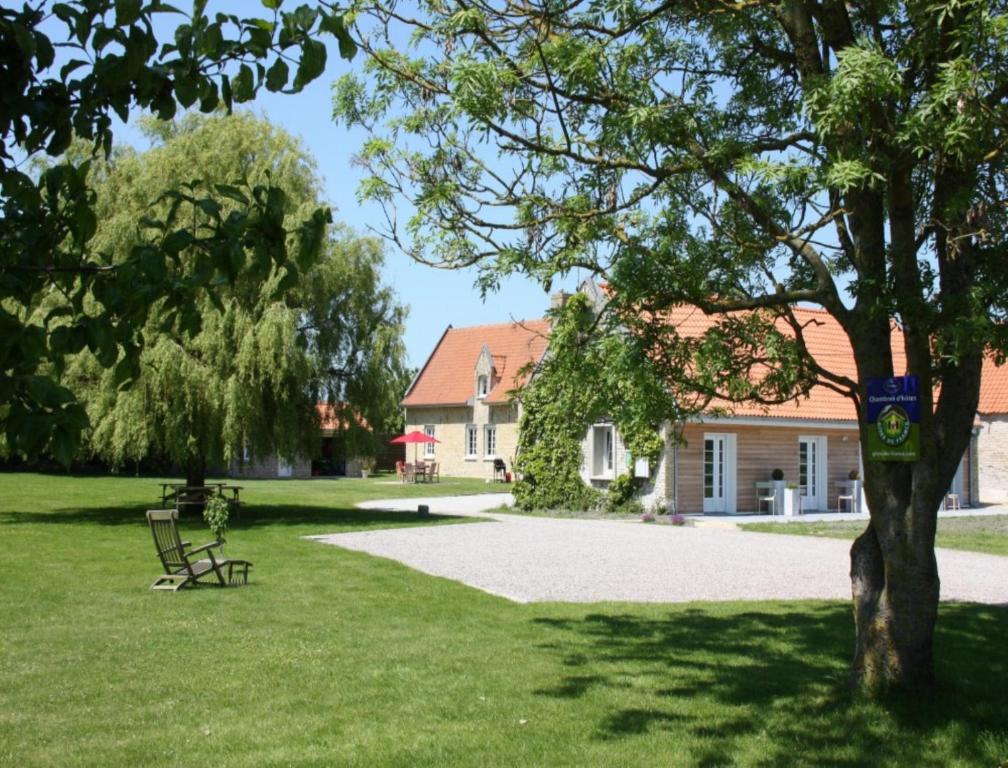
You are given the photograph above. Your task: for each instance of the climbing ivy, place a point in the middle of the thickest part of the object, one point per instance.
(593, 370)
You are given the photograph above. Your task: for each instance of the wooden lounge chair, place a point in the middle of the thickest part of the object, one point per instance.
(180, 565)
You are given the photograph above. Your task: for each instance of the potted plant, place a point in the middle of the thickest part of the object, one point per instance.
(792, 500)
(367, 466)
(778, 489)
(216, 513)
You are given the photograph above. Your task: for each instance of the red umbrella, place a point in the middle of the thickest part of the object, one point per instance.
(415, 437)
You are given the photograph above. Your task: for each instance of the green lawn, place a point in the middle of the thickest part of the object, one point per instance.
(976, 533)
(331, 657)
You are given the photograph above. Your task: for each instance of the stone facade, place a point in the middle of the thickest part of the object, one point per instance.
(450, 424)
(992, 455)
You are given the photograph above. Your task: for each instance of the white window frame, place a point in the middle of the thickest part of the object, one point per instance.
(490, 441)
(471, 446)
(603, 452)
(482, 386)
(429, 447)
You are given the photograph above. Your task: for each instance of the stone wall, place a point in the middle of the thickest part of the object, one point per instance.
(992, 459)
(450, 423)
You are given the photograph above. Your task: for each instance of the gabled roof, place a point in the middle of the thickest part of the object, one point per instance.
(448, 376)
(828, 344)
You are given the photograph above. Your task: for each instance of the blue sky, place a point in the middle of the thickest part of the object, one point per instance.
(436, 298)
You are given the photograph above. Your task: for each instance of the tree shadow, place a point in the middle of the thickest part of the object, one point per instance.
(776, 682)
(250, 516)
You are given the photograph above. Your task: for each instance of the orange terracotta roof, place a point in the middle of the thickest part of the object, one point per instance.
(334, 417)
(830, 347)
(827, 343)
(448, 376)
(993, 388)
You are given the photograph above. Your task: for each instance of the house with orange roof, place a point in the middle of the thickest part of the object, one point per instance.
(722, 461)
(461, 396)
(992, 434)
(332, 459)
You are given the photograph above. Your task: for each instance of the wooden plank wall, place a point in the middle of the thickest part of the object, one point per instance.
(759, 451)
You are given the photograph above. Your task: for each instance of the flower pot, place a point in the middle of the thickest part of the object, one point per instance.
(792, 502)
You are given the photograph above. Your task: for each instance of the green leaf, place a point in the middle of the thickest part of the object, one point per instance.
(177, 241)
(185, 90)
(312, 64)
(127, 12)
(276, 76)
(232, 192)
(334, 25)
(242, 85)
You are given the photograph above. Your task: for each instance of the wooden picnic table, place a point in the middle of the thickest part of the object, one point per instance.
(183, 494)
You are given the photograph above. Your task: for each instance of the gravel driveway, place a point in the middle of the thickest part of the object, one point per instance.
(532, 559)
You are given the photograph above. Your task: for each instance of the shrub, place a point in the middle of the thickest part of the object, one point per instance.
(678, 519)
(621, 491)
(216, 514)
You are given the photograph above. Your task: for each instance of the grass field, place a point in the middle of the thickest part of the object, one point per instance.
(975, 533)
(335, 658)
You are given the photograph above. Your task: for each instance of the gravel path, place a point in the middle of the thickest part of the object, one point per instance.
(531, 559)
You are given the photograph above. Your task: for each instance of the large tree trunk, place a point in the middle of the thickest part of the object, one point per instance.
(195, 478)
(895, 586)
(196, 472)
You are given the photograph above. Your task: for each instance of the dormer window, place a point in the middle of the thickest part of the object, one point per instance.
(481, 386)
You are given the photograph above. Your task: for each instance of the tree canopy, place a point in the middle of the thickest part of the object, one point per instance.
(271, 343)
(741, 158)
(69, 69)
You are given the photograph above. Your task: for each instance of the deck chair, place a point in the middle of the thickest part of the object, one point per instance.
(180, 565)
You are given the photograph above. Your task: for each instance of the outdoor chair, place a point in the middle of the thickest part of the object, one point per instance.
(500, 470)
(400, 471)
(420, 474)
(433, 472)
(180, 566)
(770, 500)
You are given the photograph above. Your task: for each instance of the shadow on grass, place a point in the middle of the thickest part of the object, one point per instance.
(250, 516)
(773, 685)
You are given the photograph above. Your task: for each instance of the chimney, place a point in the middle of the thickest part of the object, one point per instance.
(558, 299)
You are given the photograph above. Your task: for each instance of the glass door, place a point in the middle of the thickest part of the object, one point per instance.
(812, 473)
(714, 471)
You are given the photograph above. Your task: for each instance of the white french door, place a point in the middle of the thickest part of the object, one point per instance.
(719, 473)
(812, 473)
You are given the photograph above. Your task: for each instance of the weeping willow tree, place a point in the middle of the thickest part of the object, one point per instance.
(239, 374)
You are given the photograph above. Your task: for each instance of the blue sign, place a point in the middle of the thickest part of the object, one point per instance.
(893, 419)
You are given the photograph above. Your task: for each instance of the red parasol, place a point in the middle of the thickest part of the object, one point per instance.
(415, 437)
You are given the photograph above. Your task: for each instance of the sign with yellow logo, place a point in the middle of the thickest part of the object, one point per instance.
(893, 419)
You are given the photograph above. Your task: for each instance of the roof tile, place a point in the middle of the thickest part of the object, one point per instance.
(447, 377)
